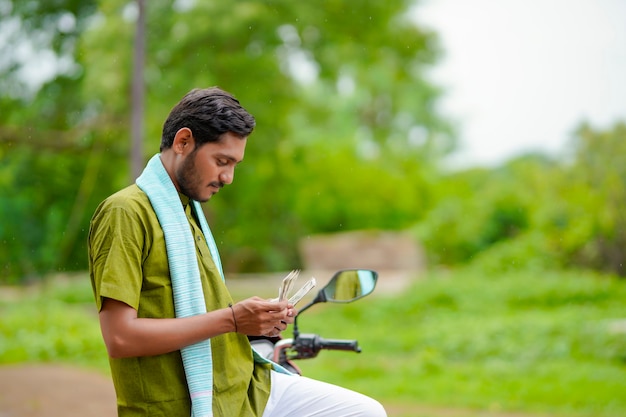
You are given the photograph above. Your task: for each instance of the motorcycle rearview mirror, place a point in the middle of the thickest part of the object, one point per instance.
(350, 285)
(344, 287)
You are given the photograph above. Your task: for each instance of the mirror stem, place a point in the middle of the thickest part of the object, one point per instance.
(296, 332)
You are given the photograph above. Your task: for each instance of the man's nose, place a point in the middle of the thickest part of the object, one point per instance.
(227, 176)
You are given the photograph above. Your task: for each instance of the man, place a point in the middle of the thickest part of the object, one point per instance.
(178, 345)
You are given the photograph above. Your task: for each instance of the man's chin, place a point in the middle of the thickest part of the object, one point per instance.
(205, 198)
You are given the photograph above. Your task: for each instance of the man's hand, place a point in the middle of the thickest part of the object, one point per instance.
(258, 317)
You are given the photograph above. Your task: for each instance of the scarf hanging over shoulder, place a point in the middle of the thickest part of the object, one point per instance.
(185, 276)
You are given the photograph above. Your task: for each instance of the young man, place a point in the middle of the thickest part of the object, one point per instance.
(177, 343)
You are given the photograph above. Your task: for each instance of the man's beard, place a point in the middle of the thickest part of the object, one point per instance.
(188, 180)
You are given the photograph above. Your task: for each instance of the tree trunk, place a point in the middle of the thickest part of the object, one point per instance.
(137, 99)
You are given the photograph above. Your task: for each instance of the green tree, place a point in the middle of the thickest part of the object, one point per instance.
(42, 35)
(338, 102)
(592, 226)
(478, 208)
(44, 141)
(348, 136)
(534, 212)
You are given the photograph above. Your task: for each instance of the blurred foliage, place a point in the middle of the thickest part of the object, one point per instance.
(342, 106)
(590, 218)
(38, 38)
(534, 212)
(54, 321)
(348, 137)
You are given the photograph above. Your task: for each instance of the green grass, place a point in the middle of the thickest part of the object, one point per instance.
(52, 323)
(541, 344)
(524, 343)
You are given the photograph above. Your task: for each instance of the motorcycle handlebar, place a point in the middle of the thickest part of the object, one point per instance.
(309, 345)
(338, 344)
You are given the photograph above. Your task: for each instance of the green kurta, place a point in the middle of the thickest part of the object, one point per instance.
(128, 262)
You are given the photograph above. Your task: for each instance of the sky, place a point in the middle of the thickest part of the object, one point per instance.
(521, 75)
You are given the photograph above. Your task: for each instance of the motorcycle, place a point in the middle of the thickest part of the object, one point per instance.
(345, 286)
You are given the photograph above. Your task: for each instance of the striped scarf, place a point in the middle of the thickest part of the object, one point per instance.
(185, 276)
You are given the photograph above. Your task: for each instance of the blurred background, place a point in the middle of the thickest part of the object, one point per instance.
(491, 134)
(486, 130)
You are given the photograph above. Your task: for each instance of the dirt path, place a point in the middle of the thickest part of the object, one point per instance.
(54, 391)
(50, 390)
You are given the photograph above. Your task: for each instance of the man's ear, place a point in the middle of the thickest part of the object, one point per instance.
(183, 141)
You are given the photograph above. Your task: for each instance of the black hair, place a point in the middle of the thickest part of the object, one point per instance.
(208, 113)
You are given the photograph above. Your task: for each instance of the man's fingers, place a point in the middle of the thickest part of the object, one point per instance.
(257, 316)
(275, 305)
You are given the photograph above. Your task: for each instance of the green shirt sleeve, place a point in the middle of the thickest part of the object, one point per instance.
(116, 244)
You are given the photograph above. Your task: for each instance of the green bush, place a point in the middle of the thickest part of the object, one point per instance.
(530, 252)
(528, 341)
(55, 323)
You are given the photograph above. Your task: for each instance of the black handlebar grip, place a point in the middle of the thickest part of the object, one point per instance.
(337, 344)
